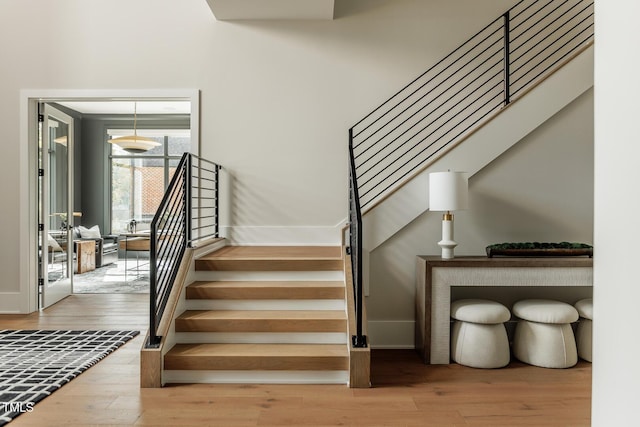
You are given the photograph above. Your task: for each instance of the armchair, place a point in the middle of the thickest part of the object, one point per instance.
(106, 245)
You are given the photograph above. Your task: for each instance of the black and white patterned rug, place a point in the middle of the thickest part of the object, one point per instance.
(34, 364)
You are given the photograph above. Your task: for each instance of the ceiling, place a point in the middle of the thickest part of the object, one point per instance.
(225, 10)
(127, 107)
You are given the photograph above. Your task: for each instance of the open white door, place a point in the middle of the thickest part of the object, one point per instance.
(55, 200)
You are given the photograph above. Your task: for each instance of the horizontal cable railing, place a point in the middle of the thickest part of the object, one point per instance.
(453, 98)
(188, 214)
(465, 89)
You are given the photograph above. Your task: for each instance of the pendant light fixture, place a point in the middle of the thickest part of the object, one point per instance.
(134, 143)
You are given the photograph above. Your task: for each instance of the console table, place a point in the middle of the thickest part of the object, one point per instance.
(436, 276)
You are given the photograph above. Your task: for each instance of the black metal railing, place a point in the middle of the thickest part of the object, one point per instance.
(188, 213)
(454, 97)
(355, 251)
(465, 89)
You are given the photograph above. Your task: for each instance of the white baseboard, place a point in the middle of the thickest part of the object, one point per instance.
(256, 377)
(283, 235)
(10, 302)
(397, 334)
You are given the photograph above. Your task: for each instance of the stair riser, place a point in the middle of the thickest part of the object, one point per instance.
(266, 363)
(283, 305)
(262, 337)
(266, 293)
(268, 265)
(268, 275)
(256, 377)
(260, 325)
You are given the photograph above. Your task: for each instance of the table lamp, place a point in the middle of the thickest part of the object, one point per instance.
(448, 192)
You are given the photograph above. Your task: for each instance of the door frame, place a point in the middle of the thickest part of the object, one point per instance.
(26, 300)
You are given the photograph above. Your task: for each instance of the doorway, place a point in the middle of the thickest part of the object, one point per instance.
(51, 150)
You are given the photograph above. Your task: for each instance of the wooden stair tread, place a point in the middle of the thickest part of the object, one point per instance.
(259, 350)
(257, 357)
(276, 252)
(263, 314)
(272, 258)
(261, 321)
(266, 290)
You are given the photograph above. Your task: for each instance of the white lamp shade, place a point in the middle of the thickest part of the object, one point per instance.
(448, 191)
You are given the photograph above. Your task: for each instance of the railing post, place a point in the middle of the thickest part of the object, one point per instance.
(153, 283)
(355, 239)
(216, 226)
(507, 57)
(187, 199)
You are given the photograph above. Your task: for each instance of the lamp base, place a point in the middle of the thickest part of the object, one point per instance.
(447, 243)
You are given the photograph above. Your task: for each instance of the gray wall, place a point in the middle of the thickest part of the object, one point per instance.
(96, 178)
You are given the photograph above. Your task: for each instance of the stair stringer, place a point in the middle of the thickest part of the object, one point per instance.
(171, 338)
(492, 139)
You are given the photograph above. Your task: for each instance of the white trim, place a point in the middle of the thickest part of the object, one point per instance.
(391, 333)
(256, 377)
(28, 298)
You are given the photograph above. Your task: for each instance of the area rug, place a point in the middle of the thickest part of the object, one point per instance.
(114, 279)
(34, 364)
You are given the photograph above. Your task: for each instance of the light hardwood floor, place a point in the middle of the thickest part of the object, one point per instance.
(405, 392)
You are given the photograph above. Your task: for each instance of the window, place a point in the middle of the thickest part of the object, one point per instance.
(138, 181)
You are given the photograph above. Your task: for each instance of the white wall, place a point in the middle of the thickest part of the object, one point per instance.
(277, 98)
(541, 190)
(616, 372)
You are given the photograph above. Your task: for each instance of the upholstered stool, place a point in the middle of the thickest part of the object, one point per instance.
(478, 336)
(544, 336)
(583, 334)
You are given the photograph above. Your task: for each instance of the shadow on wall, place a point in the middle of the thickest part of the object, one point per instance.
(346, 8)
(496, 219)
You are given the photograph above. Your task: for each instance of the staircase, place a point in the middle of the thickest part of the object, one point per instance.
(263, 315)
(464, 112)
(278, 314)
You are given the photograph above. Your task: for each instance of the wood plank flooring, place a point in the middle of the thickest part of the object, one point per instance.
(405, 392)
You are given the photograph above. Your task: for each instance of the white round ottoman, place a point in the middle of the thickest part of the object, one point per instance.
(478, 336)
(544, 336)
(583, 334)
